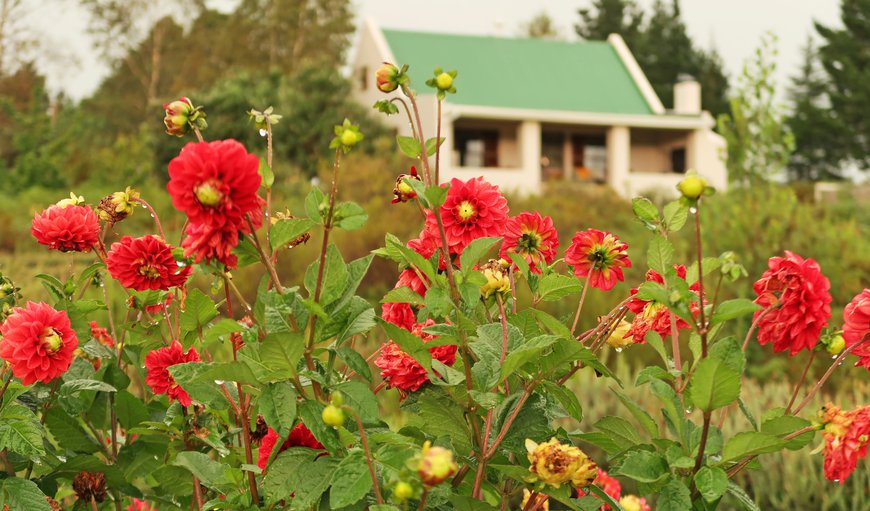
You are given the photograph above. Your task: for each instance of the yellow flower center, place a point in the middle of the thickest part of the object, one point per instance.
(51, 339)
(149, 270)
(466, 210)
(208, 194)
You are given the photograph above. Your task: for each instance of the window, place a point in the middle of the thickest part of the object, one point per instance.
(678, 160)
(476, 147)
(590, 157)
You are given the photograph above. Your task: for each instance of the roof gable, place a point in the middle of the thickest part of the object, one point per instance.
(535, 74)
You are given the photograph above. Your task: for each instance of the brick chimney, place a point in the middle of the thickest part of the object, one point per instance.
(687, 95)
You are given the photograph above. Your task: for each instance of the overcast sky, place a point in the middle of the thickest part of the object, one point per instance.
(733, 26)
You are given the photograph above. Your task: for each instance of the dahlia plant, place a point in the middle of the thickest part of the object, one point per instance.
(199, 397)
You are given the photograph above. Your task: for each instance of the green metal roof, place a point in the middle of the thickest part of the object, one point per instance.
(540, 74)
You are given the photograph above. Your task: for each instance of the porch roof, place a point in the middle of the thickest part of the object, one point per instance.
(534, 74)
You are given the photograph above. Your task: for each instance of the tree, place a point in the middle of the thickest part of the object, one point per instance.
(819, 144)
(845, 58)
(759, 142)
(606, 17)
(541, 27)
(16, 40)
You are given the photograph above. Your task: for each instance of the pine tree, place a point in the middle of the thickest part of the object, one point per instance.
(606, 17)
(541, 26)
(845, 58)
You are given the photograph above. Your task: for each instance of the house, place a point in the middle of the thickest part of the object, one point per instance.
(531, 113)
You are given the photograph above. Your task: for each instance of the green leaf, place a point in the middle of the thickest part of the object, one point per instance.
(660, 254)
(277, 405)
(351, 481)
(20, 432)
(355, 361)
(438, 414)
(645, 420)
(731, 309)
(230, 371)
(68, 434)
(349, 216)
(675, 215)
(403, 294)
(646, 212)
(334, 277)
(209, 472)
(566, 398)
(285, 231)
(313, 481)
(199, 309)
(437, 194)
(786, 425)
(187, 376)
(644, 466)
(474, 251)
(409, 145)
(410, 343)
(284, 473)
(743, 499)
(23, 495)
(281, 352)
(619, 430)
(131, 412)
(674, 497)
(714, 385)
(711, 482)
(438, 301)
(359, 396)
(529, 351)
(432, 144)
(311, 414)
(556, 286)
(730, 352)
(749, 443)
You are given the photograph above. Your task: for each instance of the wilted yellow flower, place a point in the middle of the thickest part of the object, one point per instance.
(497, 279)
(538, 498)
(74, 200)
(436, 465)
(554, 464)
(117, 206)
(617, 338)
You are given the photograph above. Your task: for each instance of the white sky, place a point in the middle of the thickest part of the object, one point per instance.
(734, 26)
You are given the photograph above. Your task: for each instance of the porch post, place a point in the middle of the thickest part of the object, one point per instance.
(618, 159)
(530, 151)
(445, 164)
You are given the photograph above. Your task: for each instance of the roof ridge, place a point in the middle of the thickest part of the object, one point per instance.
(492, 36)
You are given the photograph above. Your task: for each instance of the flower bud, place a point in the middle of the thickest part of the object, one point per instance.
(117, 206)
(835, 345)
(555, 464)
(403, 192)
(89, 485)
(403, 491)
(333, 416)
(692, 186)
(348, 138)
(178, 116)
(347, 135)
(497, 279)
(617, 338)
(387, 77)
(436, 465)
(74, 200)
(444, 81)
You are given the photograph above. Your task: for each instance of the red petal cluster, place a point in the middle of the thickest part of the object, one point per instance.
(145, 263)
(101, 335)
(300, 436)
(215, 184)
(533, 237)
(847, 435)
(140, 505)
(473, 209)
(157, 364)
(600, 256)
(401, 371)
(653, 315)
(38, 342)
(798, 291)
(68, 229)
(402, 314)
(856, 325)
(609, 484)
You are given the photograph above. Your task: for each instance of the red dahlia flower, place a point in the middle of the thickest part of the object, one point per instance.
(38, 342)
(145, 263)
(847, 435)
(798, 291)
(653, 315)
(609, 484)
(600, 256)
(401, 371)
(473, 209)
(402, 314)
(68, 229)
(300, 436)
(101, 335)
(856, 325)
(140, 505)
(215, 183)
(157, 364)
(531, 236)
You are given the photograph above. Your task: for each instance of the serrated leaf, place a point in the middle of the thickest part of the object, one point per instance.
(645, 420)
(731, 309)
(785, 425)
(644, 466)
(660, 254)
(23, 495)
(277, 405)
(403, 294)
(475, 250)
(355, 361)
(351, 481)
(359, 396)
(281, 352)
(746, 502)
(674, 497)
(566, 398)
(285, 231)
(645, 211)
(20, 432)
(349, 216)
(410, 146)
(199, 310)
(749, 443)
(334, 279)
(675, 215)
(556, 286)
(311, 414)
(714, 385)
(711, 482)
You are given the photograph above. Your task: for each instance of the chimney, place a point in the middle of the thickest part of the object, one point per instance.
(687, 95)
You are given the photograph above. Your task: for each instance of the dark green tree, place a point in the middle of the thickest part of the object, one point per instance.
(541, 26)
(845, 56)
(605, 17)
(819, 144)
